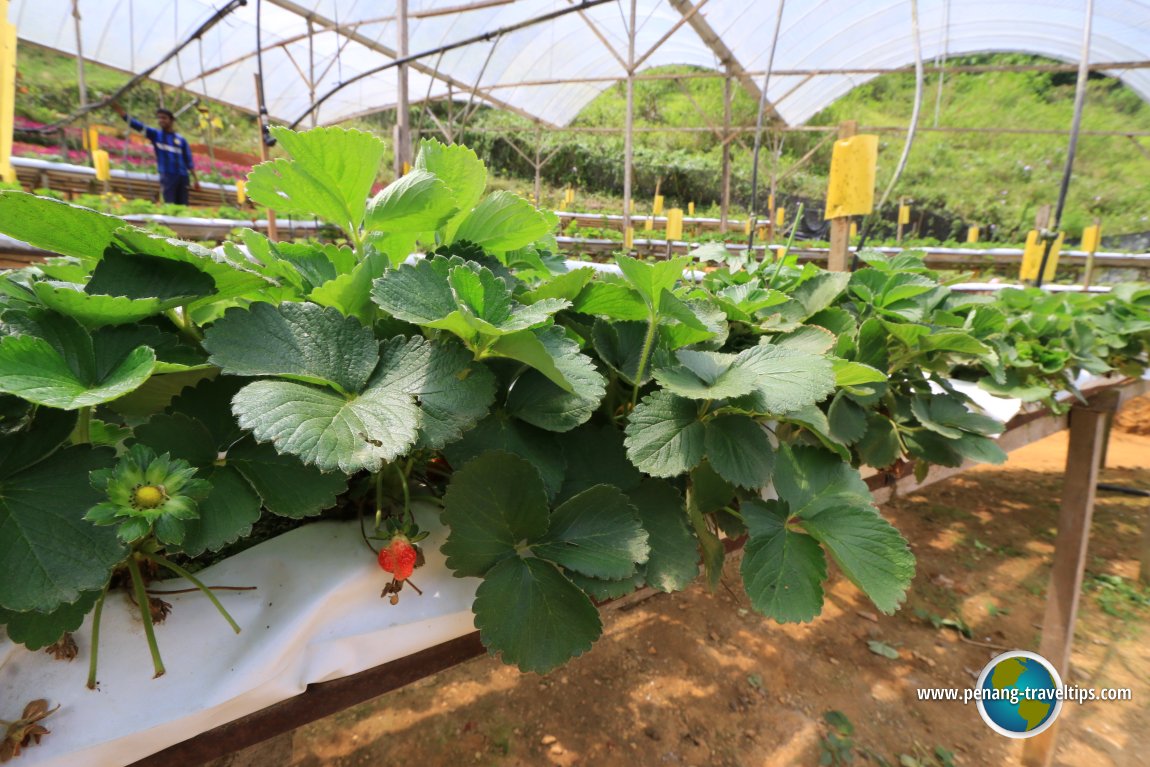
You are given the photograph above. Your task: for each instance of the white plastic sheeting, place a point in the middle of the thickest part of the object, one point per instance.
(824, 34)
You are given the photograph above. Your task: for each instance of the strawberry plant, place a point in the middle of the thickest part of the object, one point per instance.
(583, 432)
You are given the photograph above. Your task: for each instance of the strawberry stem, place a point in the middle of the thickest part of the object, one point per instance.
(406, 490)
(378, 499)
(95, 639)
(169, 565)
(146, 616)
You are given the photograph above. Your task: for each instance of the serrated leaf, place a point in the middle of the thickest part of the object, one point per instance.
(142, 276)
(596, 533)
(329, 175)
(535, 617)
(50, 555)
(99, 310)
(225, 516)
(856, 374)
(308, 343)
(36, 630)
(783, 569)
(503, 221)
(673, 562)
(286, 487)
(602, 590)
(950, 417)
(458, 167)
(566, 286)
(595, 455)
(665, 437)
(528, 347)
(707, 375)
(608, 299)
(868, 549)
(454, 391)
(620, 346)
(879, 446)
(806, 476)
(954, 341)
(847, 421)
(492, 504)
(710, 492)
(820, 291)
(812, 339)
(351, 292)
(501, 432)
(56, 226)
(653, 281)
(537, 400)
(786, 380)
(415, 202)
(980, 449)
(180, 437)
(739, 450)
(709, 545)
(32, 369)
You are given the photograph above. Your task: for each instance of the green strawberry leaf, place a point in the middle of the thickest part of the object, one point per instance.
(783, 569)
(460, 169)
(537, 400)
(602, 590)
(493, 504)
(36, 630)
(673, 562)
(806, 476)
(595, 455)
(879, 446)
(847, 421)
(49, 553)
(312, 344)
(499, 431)
(32, 369)
(868, 549)
(503, 221)
(287, 487)
(225, 516)
(786, 380)
(416, 202)
(597, 533)
(609, 299)
(351, 292)
(652, 281)
(665, 437)
(739, 450)
(535, 617)
(329, 175)
(57, 226)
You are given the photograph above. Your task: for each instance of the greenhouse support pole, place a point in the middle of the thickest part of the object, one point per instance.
(402, 107)
(273, 231)
(1083, 462)
(725, 205)
(629, 121)
(7, 93)
(837, 258)
(81, 82)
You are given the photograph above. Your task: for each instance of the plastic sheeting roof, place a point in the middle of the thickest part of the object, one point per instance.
(133, 35)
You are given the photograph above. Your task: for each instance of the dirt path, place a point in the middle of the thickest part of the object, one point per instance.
(698, 679)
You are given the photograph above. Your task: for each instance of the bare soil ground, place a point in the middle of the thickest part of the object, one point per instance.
(699, 679)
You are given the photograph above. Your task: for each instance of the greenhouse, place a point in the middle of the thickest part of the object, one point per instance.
(750, 383)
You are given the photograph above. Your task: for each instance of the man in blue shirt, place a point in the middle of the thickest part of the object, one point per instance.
(173, 154)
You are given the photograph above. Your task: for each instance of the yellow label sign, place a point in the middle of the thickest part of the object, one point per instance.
(1032, 257)
(657, 207)
(103, 165)
(904, 214)
(854, 229)
(241, 191)
(675, 223)
(780, 218)
(850, 191)
(629, 238)
(1091, 238)
(972, 234)
(690, 209)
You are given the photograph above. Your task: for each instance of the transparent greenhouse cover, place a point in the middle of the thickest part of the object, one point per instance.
(132, 35)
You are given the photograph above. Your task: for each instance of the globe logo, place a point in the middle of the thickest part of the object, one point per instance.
(1019, 694)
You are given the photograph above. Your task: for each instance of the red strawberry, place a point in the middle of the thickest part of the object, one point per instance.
(398, 558)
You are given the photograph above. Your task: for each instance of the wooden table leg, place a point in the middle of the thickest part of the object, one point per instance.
(1083, 460)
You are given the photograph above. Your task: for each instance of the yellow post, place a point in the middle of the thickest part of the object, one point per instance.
(762, 232)
(674, 223)
(406, 168)
(569, 196)
(657, 207)
(780, 218)
(92, 140)
(747, 227)
(7, 93)
(690, 209)
(241, 192)
(649, 224)
(903, 218)
(854, 230)
(972, 234)
(1091, 239)
(629, 238)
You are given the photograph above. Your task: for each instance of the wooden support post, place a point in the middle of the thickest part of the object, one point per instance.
(7, 94)
(837, 259)
(725, 203)
(898, 235)
(1083, 461)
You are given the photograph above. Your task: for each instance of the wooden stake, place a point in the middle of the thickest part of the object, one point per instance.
(1083, 461)
(725, 204)
(837, 259)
